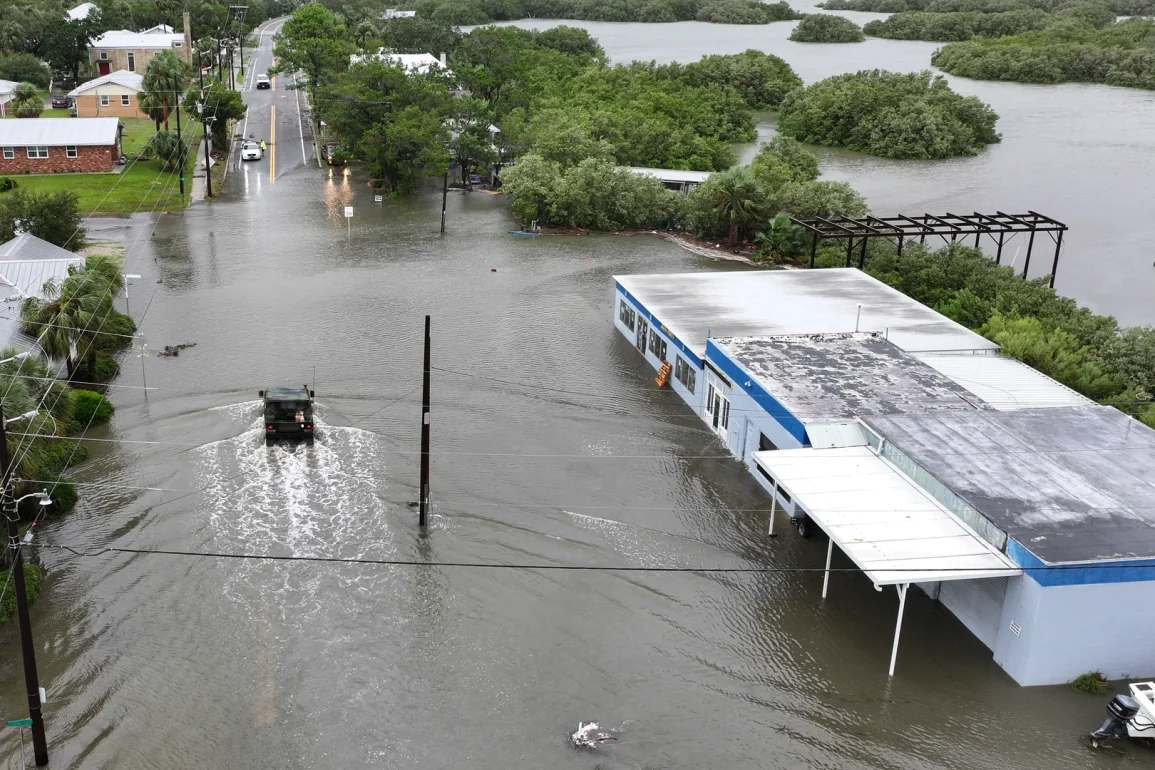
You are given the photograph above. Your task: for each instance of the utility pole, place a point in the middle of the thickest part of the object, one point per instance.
(423, 518)
(208, 162)
(444, 196)
(180, 153)
(31, 680)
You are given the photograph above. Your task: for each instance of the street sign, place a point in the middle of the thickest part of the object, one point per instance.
(348, 212)
(20, 722)
(378, 198)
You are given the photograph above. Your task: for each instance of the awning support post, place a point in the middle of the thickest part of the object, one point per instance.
(898, 626)
(773, 510)
(826, 577)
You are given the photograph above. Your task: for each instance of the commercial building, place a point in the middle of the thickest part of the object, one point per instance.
(116, 94)
(131, 51)
(59, 146)
(923, 454)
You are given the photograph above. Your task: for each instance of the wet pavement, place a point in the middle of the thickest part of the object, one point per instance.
(551, 446)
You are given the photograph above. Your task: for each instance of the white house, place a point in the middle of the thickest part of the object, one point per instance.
(412, 63)
(80, 12)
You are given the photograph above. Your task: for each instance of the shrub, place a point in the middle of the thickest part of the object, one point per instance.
(1092, 682)
(61, 454)
(7, 183)
(826, 28)
(761, 79)
(89, 406)
(32, 584)
(888, 114)
(104, 370)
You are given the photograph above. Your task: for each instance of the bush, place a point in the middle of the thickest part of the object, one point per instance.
(89, 406)
(104, 370)
(890, 115)
(761, 79)
(826, 28)
(951, 27)
(32, 585)
(1093, 682)
(7, 183)
(59, 455)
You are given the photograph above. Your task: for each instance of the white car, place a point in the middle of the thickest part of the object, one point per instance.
(251, 150)
(263, 81)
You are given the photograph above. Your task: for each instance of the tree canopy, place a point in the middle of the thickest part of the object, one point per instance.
(826, 28)
(1116, 7)
(52, 217)
(889, 114)
(472, 12)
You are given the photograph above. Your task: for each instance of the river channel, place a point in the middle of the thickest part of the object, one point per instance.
(551, 446)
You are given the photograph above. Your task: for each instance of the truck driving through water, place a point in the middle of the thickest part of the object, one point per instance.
(288, 414)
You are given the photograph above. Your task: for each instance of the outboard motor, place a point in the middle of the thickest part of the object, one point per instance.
(1121, 710)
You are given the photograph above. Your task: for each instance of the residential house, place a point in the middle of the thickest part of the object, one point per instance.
(7, 87)
(412, 63)
(116, 94)
(393, 13)
(674, 179)
(26, 264)
(80, 12)
(59, 146)
(132, 51)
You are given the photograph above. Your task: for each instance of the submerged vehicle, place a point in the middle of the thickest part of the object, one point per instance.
(288, 414)
(1129, 716)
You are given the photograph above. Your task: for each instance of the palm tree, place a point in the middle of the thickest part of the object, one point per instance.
(164, 82)
(28, 385)
(26, 102)
(738, 198)
(72, 310)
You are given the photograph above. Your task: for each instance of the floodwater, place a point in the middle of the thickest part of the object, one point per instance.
(1081, 154)
(550, 447)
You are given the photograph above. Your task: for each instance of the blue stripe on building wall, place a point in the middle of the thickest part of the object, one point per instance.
(654, 322)
(747, 383)
(1134, 571)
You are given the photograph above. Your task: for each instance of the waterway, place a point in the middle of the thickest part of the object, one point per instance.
(551, 446)
(1082, 154)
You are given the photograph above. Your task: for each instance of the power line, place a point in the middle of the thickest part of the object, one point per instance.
(80, 553)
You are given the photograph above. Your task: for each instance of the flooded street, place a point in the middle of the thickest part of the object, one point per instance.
(551, 446)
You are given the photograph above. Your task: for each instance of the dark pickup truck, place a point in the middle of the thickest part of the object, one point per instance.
(288, 414)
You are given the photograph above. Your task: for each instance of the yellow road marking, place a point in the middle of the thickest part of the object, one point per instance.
(272, 143)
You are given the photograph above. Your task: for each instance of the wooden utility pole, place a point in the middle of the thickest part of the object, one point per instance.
(423, 517)
(31, 680)
(444, 196)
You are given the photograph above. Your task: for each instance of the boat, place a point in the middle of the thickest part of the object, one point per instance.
(1129, 716)
(523, 233)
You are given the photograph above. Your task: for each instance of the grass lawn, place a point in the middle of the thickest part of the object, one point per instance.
(137, 133)
(140, 187)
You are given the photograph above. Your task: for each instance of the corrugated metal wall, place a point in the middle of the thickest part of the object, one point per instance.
(977, 603)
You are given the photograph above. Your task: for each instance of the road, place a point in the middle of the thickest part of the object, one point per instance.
(550, 446)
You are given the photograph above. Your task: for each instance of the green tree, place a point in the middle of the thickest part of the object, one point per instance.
(411, 143)
(54, 217)
(221, 104)
(738, 199)
(533, 183)
(782, 240)
(26, 102)
(312, 42)
(967, 308)
(810, 200)
(163, 82)
(24, 67)
(66, 44)
(69, 309)
(419, 35)
(761, 79)
(471, 138)
(826, 28)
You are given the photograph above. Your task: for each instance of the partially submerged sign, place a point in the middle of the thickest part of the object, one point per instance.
(20, 722)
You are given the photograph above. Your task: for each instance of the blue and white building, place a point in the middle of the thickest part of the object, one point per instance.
(927, 457)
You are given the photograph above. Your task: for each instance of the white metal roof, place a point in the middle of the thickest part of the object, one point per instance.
(672, 174)
(830, 435)
(8, 86)
(888, 526)
(78, 132)
(756, 303)
(1004, 383)
(27, 263)
(133, 80)
(135, 40)
(80, 12)
(419, 63)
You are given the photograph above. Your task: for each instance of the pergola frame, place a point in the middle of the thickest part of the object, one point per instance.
(902, 228)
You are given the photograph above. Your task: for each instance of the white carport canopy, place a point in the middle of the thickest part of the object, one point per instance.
(893, 531)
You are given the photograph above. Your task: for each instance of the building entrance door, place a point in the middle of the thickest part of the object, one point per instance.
(717, 408)
(643, 334)
(103, 67)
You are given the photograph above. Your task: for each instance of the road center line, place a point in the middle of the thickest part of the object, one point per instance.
(272, 143)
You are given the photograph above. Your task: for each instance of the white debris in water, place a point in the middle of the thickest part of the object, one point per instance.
(589, 736)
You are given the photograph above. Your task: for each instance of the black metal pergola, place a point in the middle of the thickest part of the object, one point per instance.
(949, 226)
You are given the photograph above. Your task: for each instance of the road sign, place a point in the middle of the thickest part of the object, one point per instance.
(348, 212)
(20, 722)
(378, 198)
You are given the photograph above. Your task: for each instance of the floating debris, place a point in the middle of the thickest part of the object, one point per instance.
(589, 736)
(172, 351)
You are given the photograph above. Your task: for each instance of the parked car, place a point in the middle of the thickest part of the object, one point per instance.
(263, 81)
(61, 102)
(331, 152)
(251, 150)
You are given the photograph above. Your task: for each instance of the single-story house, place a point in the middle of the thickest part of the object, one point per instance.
(7, 87)
(674, 179)
(927, 457)
(80, 12)
(114, 95)
(393, 13)
(59, 146)
(412, 63)
(26, 264)
(124, 50)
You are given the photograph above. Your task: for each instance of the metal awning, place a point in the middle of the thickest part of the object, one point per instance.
(893, 530)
